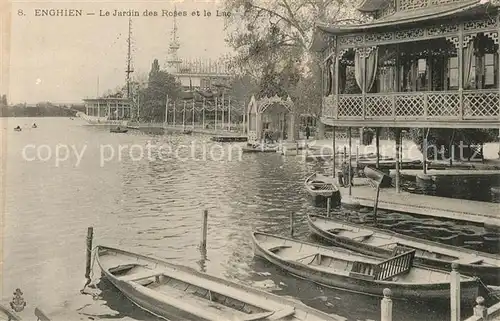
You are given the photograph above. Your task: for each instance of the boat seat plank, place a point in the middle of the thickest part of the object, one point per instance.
(279, 247)
(286, 312)
(468, 260)
(224, 290)
(141, 275)
(363, 236)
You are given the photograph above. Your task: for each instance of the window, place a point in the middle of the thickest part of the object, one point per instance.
(489, 70)
(452, 72)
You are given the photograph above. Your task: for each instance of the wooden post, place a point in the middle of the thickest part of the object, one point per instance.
(398, 140)
(350, 165)
(204, 229)
(455, 292)
(375, 205)
(377, 144)
(88, 261)
(480, 310)
(386, 306)
(203, 114)
(334, 153)
(184, 116)
(291, 224)
(328, 206)
(424, 151)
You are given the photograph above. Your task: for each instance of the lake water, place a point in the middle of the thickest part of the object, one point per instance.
(154, 206)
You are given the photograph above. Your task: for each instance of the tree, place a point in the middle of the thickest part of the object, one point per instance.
(272, 39)
(3, 100)
(153, 98)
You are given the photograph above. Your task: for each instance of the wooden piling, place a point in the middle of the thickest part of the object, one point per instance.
(480, 310)
(386, 306)
(204, 226)
(328, 206)
(88, 261)
(455, 292)
(291, 224)
(375, 205)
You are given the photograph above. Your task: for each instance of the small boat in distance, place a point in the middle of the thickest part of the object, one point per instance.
(321, 188)
(17, 129)
(175, 292)
(343, 269)
(384, 244)
(118, 130)
(34, 125)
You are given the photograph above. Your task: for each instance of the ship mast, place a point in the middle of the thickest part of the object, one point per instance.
(129, 56)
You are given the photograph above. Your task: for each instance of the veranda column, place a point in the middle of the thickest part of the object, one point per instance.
(334, 152)
(377, 145)
(398, 141)
(203, 113)
(193, 114)
(350, 161)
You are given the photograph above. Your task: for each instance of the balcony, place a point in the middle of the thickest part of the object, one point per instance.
(467, 109)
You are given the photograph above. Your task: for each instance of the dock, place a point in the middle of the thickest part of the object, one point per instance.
(440, 207)
(432, 173)
(229, 138)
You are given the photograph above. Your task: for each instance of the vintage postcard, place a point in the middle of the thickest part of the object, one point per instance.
(250, 160)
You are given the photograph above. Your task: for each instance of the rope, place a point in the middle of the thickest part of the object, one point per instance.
(490, 293)
(95, 296)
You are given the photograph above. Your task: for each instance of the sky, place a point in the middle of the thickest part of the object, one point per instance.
(67, 59)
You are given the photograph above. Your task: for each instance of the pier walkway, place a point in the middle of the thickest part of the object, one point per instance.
(440, 207)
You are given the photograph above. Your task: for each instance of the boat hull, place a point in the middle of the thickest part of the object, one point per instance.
(488, 274)
(469, 290)
(320, 197)
(179, 306)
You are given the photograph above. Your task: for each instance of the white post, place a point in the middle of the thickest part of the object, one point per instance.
(203, 112)
(455, 292)
(229, 112)
(222, 110)
(166, 112)
(204, 228)
(386, 306)
(184, 116)
(193, 114)
(480, 310)
(174, 114)
(215, 126)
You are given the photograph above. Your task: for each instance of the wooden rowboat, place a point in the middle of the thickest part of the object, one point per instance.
(8, 315)
(118, 130)
(344, 269)
(384, 244)
(320, 188)
(175, 292)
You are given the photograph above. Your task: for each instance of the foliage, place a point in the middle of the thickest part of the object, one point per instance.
(153, 98)
(44, 109)
(272, 38)
(3, 101)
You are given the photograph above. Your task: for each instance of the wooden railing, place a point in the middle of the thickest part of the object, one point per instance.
(395, 266)
(438, 105)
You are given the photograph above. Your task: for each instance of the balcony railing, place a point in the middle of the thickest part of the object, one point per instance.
(443, 105)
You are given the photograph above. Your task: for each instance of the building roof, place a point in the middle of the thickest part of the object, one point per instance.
(399, 18)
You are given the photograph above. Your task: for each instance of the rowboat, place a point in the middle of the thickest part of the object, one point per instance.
(175, 292)
(384, 244)
(344, 269)
(260, 148)
(118, 130)
(320, 188)
(17, 129)
(8, 315)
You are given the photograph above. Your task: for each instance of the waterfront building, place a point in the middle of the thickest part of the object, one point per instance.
(418, 63)
(107, 110)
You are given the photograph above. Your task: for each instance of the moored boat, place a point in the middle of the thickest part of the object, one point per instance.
(176, 292)
(344, 269)
(118, 130)
(321, 188)
(384, 244)
(260, 148)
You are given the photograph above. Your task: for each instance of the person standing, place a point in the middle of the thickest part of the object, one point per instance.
(308, 132)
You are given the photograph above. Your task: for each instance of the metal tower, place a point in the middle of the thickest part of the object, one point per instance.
(173, 61)
(129, 56)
